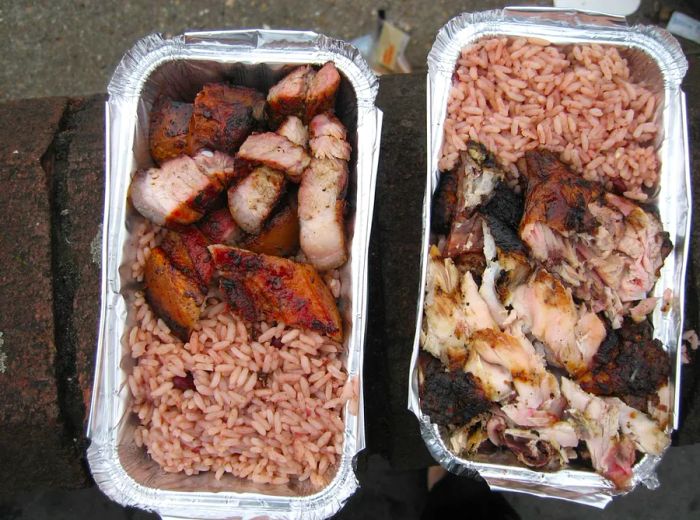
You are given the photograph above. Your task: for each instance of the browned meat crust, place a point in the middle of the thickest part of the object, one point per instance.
(629, 364)
(280, 234)
(273, 288)
(449, 397)
(168, 129)
(187, 250)
(444, 202)
(219, 227)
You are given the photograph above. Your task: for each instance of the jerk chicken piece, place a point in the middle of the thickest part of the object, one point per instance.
(272, 288)
(182, 189)
(169, 129)
(187, 251)
(570, 333)
(607, 248)
(328, 138)
(224, 116)
(444, 202)
(293, 129)
(173, 295)
(252, 200)
(276, 152)
(280, 234)
(449, 397)
(304, 93)
(220, 228)
(629, 364)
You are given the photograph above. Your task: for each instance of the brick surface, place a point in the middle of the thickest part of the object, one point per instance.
(34, 448)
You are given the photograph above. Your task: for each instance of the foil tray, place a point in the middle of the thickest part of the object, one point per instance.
(655, 56)
(179, 67)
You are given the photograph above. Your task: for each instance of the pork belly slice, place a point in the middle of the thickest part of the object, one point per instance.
(275, 151)
(288, 96)
(181, 190)
(321, 207)
(223, 116)
(263, 287)
(187, 251)
(606, 248)
(173, 295)
(323, 87)
(252, 200)
(328, 138)
(279, 235)
(294, 129)
(570, 333)
(220, 228)
(168, 129)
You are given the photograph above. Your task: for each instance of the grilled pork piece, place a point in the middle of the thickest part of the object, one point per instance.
(629, 364)
(252, 200)
(328, 138)
(607, 248)
(280, 234)
(187, 251)
(570, 333)
(304, 93)
(321, 206)
(173, 295)
(293, 129)
(275, 151)
(169, 129)
(323, 88)
(272, 288)
(182, 189)
(224, 116)
(220, 228)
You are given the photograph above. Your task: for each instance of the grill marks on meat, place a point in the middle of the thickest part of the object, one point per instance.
(252, 200)
(182, 189)
(629, 364)
(450, 397)
(322, 195)
(187, 250)
(220, 228)
(276, 152)
(223, 117)
(607, 248)
(168, 130)
(273, 288)
(304, 93)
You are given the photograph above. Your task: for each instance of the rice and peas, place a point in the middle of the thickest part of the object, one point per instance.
(517, 94)
(265, 408)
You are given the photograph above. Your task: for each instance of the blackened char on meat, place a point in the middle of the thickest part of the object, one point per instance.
(629, 364)
(444, 202)
(450, 397)
(505, 205)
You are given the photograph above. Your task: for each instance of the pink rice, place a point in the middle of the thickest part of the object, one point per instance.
(515, 94)
(270, 414)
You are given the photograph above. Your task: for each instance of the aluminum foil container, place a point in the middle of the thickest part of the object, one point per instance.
(654, 56)
(179, 67)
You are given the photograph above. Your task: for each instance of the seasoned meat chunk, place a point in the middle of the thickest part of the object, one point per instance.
(187, 250)
(220, 228)
(277, 152)
(280, 234)
(223, 117)
(323, 87)
(174, 296)
(293, 129)
(252, 200)
(288, 96)
(328, 138)
(169, 129)
(272, 288)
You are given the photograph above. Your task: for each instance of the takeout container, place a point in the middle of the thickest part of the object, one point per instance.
(179, 67)
(655, 56)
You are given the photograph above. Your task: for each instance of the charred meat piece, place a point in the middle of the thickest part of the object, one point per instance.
(187, 251)
(169, 129)
(505, 205)
(321, 208)
(174, 296)
(224, 116)
(272, 288)
(275, 151)
(288, 96)
(279, 235)
(293, 129)
(607, 248)
(466, 236)
(505, 237)
(323, 87)
(328, 138)
(220, 228)
(444, 202)
(182, 189)
(252, 200)
(449, 397)
(629, 364)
